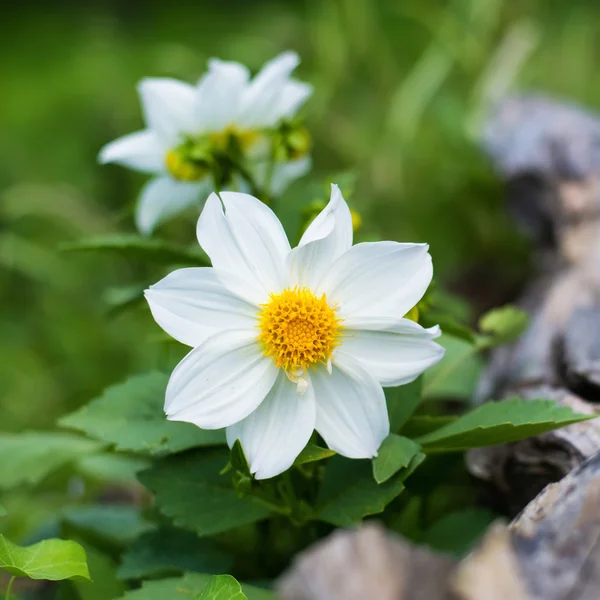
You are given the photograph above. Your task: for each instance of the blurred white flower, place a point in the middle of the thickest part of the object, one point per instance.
(287, 341)
(186, 125)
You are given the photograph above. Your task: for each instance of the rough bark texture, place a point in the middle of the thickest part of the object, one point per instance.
(550, 552)
(549, 154)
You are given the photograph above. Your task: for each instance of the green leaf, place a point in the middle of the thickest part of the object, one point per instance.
(448, 325)
(51, 559)
(103, 571)
(168, 551)
(190, 490)
(313, 453)
(187, 588)
(500, 423)
(238, 459)
(457, 532)
(504, 324)
(402, 402)
(419, 425)
(31, 456)
(456, 375)
(114, 525)
(140, 248)
(349, 493)
(3, 511)
(222, 587)
(130, 415)
(395, 453)
(115, 468)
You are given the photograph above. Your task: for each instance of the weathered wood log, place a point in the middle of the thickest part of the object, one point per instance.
(549, 154)
(550, 552)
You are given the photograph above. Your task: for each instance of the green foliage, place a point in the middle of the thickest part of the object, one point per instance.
(130, 416)
(499, 423)
(395, 453)
(222, 587)
(142, 248)
(50, 559)
(107, 525)
(456, 375)
(3, 511)
(457, 532)
(32, 456)
(167, 551)
(502, 325)
(190, 490)
(187, 587)
(313, 453)
(349, 493)
(402, 401)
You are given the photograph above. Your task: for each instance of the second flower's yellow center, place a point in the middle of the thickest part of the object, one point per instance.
(183, 168)
(298, 330)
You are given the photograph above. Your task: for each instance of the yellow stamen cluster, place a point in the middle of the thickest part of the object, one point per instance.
(183, 168)
(245, 138)
(298, 330)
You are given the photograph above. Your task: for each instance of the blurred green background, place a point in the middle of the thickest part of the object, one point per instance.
(401, 88)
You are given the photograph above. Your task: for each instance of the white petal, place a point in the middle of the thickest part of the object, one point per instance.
(192, 304)
(292, 96)
(169, 108)
(265, 90)
(326, 238)
(165, 197)
(351, 411)
(277, 431)
(396, 354)
(220, 382)
(246, 240)
(378, 279)
(140, 151)
(220, 93)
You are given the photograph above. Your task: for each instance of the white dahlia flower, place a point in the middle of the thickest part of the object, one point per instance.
(289, 340)
(191, 130)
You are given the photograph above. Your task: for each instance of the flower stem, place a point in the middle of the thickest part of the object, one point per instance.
(9, 588)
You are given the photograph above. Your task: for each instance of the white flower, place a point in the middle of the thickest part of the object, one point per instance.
(287, 341)
(225, 102)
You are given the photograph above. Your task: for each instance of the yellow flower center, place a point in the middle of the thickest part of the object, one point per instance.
(245, 138)
(298, 330)
(183, 168)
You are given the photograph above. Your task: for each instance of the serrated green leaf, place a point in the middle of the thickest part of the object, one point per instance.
(168, 551)
(402, 402)
(500, 423)
(504, 324)
(222, 587)
(187, 588)
(395, 453)
(31, 456)
(349, 493)
(313, 453)
(114, 525)
(141, 248)
(190, 490)
(130, 416)
(51, 559)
